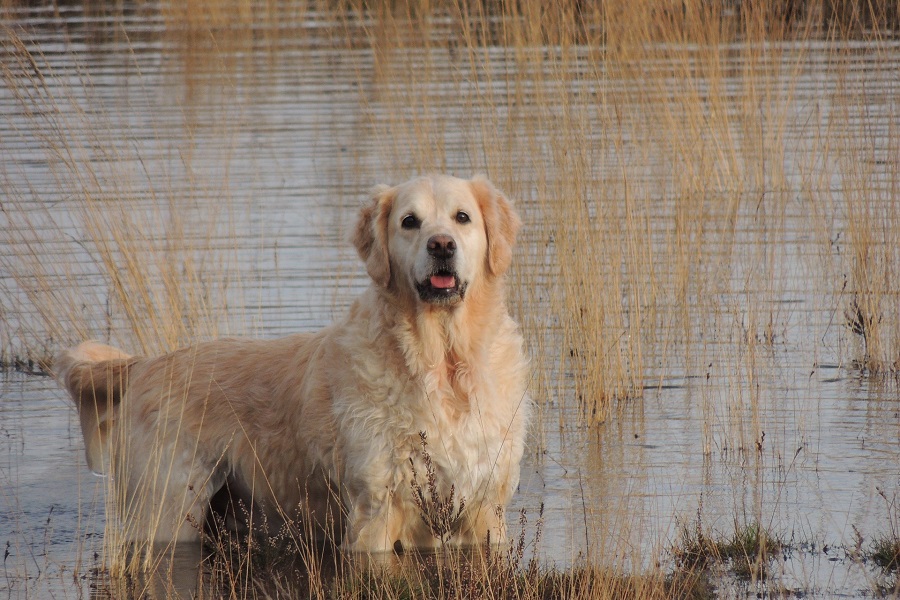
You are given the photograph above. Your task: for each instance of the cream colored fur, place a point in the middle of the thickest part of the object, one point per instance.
(324, 427)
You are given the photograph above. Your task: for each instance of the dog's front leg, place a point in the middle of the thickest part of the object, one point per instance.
(374, 524)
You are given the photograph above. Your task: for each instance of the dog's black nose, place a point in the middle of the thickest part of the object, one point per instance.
(441, 246)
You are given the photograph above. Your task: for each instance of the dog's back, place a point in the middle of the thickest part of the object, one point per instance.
(95, 375)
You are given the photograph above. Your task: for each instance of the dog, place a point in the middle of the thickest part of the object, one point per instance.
(425, 378)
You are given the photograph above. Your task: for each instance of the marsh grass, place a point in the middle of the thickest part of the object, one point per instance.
(746, 552)
(274, 567)
(884, 549)
(643, 146)
(113, 254)
(659, 159)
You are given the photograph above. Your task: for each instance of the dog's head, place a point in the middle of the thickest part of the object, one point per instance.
(436, 236)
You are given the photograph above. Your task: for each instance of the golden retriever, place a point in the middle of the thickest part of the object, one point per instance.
(325, 427)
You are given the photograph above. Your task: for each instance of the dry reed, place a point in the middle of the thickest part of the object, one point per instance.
(648, 147)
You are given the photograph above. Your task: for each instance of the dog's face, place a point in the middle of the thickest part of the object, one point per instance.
(434, 237)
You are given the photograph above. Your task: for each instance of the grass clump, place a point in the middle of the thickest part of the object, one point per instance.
(884, 549)
(749, 550)
(746, 553)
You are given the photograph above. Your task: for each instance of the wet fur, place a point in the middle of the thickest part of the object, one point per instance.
(324, 427)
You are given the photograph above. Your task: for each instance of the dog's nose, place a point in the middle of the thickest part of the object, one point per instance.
(441, 246)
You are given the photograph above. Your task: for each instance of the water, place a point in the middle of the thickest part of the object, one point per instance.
(280, 128)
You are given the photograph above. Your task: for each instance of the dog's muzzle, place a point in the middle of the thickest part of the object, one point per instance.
(442, 286)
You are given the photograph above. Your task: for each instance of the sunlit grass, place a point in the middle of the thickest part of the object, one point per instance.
(649, 149)
(658, 157)
(115, 254)
(746, 552)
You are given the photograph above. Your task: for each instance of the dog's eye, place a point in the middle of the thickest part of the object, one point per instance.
(410, 222)
(462, 217)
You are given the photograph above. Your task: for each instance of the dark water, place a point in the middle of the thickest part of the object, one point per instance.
(277, 128)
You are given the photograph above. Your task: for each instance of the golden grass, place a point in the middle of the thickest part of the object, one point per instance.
(660, 156)
(648, 148)
(116, 253)
(643, 144)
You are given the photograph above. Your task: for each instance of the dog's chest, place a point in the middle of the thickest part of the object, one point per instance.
(460, 433)
(452, 401)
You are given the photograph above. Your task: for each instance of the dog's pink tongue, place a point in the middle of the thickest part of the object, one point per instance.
(443, 281)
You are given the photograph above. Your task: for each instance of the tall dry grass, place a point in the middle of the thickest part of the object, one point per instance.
(673, 179)
(120, 251)
(650, 147)
(643, 144)
(866, 150)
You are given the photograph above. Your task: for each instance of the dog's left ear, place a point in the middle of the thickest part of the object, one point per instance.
(500, 223)
(371, 235)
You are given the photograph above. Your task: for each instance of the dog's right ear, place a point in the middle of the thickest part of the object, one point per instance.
(371, 237)
(500, 224)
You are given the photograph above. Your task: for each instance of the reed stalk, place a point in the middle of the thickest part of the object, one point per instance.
(661, 158)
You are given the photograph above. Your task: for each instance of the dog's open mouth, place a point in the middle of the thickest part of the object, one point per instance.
(441, 287)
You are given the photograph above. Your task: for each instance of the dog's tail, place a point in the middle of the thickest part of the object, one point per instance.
(96, 376)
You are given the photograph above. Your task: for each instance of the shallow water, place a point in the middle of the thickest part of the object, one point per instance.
(269, 124)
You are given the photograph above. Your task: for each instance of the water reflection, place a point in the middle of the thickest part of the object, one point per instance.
(175, 573)
(267, 132)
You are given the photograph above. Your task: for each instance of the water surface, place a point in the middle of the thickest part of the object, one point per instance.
(278, 128)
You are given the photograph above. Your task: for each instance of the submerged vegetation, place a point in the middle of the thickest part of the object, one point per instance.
(884, 550)
(687, 175)
(746, 553)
